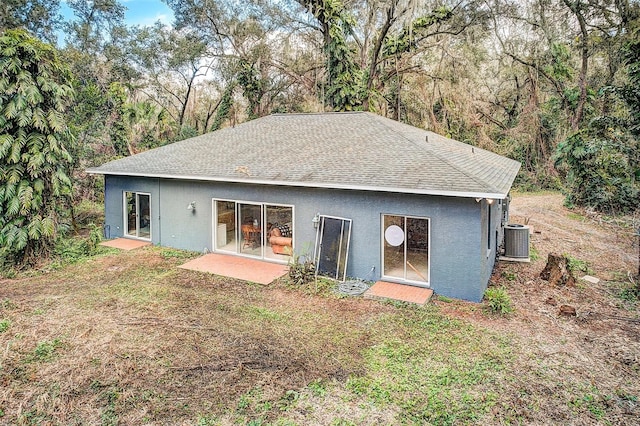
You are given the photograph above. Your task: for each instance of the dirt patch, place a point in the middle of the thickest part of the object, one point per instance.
(609, 245)
(589, 360)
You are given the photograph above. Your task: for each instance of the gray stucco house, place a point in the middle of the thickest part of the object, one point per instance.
(366, 196)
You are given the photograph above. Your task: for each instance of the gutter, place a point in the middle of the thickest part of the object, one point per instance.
(493, 195)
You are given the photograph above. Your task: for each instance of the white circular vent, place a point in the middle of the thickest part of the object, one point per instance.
(394, 235)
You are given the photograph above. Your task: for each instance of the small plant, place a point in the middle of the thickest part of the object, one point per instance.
(317, 387)
(267, 314)
(498, 301)
(288, 400)
(509, 275)
(8, 271)
(301, 272)
(534, 254)
(206, 421)
(169, 253)
(109, 415)
(576, 216)
(7, 304)
(577, 265)
(4, 325)
(630, 293)
(45, 351)
(94, 239)
(342, 422)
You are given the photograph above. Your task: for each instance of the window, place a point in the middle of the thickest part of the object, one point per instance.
(251, 228)
(225, 225)
(279, 231)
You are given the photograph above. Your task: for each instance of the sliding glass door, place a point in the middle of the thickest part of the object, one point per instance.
(254, 229)
(250, 228)
(137, 223)
(225, 226)
(406, 248)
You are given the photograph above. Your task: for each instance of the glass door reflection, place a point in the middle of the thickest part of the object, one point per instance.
(250, 218)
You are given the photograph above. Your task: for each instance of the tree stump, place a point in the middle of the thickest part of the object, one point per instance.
(557, 271)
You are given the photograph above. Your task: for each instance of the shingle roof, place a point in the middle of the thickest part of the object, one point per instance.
(356, 150)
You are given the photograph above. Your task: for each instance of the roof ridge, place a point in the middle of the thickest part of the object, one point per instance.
(418, 144)
(288, 114)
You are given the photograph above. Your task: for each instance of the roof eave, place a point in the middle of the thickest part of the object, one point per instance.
(470, 194)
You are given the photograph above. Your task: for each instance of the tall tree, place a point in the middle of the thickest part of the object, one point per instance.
(38, 16)
(96, 44)
(369, 45)
(602, 159)
(248, 43)
(35, 89)
(173, 62)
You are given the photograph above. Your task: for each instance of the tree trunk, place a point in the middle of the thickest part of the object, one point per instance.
(584, 55)
(391, 10)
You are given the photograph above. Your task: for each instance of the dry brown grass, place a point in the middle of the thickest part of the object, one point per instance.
(128, 338)
(162, 344)
(578, 370)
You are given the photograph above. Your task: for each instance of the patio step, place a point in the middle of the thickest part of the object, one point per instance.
(125, 243)
(383, 290)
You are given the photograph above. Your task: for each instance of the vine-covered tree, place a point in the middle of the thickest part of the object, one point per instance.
(35, 89)
(602, 160)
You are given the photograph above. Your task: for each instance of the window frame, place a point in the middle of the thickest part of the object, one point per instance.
(264, 237)
(125, 216)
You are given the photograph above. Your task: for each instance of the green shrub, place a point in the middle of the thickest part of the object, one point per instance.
(600, 163)
(72, 249)
(301, 272)
(577, 266)
(498, 301)
(87, 213)
(630, 292)
(4, 325)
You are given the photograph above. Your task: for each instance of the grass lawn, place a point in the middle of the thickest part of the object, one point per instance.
(127, 338)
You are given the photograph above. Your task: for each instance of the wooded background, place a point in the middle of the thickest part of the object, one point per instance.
(554, 84)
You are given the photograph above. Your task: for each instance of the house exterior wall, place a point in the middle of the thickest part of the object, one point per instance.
(493, 230)
(459, 260)
(114, 204)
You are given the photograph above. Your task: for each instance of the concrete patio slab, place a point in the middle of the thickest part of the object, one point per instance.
(405, 293)
(238, 267)
(515, 259)
(590, 279)
(125, 243)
